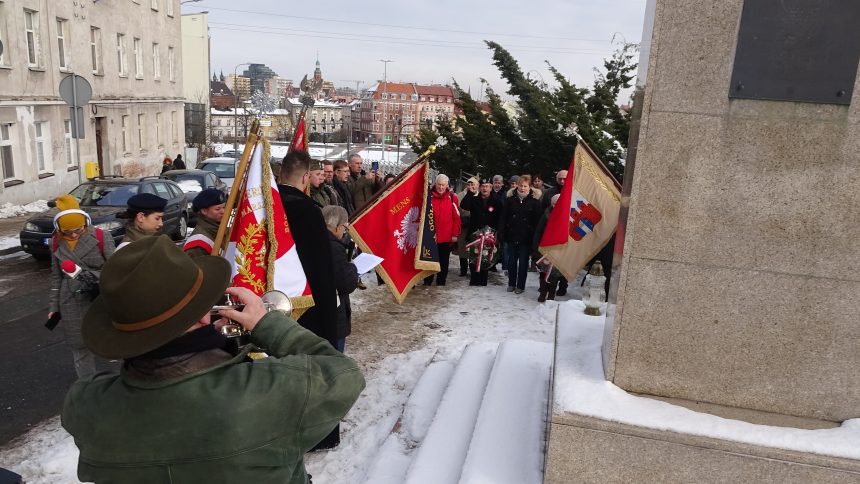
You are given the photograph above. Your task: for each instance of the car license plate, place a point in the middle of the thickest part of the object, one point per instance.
(47, 241)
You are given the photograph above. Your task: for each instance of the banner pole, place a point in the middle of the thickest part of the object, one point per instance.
(600, 162)
(226, 227)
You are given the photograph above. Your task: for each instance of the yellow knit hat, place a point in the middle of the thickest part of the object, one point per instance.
(69, 221)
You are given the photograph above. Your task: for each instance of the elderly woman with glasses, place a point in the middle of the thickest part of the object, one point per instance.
(345, 273)
(78, 252)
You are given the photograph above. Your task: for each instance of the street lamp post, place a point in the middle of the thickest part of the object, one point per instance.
(385, 101)
(236, 107)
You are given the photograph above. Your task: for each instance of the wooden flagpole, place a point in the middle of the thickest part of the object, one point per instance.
(226, 227)
(599, 162)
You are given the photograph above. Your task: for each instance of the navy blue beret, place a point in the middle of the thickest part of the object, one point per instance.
(147, 202)
(208, 198)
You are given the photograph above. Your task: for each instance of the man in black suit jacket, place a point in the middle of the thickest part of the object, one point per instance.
(312, 245)
(311, 236)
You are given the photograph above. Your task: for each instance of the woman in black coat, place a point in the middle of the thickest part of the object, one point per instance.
(345, 273)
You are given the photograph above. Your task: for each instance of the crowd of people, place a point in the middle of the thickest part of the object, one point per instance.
(174, 355)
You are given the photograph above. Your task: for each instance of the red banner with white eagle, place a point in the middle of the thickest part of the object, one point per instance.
(261, 249)
(398, 226)
(585, 216)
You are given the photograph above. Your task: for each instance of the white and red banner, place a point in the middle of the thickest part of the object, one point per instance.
(261, 248)
(585, 216)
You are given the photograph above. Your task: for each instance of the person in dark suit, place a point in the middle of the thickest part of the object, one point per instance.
(312, 245)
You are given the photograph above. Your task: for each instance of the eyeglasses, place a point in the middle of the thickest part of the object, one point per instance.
(77, 231)
(344, 225)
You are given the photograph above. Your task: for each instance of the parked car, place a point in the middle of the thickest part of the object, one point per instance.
(224, 167)
(231, 154)
(103, 198)
(193, 182)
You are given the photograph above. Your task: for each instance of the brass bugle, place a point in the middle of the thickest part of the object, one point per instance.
(273, 301)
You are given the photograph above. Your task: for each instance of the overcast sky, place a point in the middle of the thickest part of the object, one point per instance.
(427, 40)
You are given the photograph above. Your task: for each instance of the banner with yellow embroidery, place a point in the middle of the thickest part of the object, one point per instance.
(261, 247)
(398, 226)
(585, 215)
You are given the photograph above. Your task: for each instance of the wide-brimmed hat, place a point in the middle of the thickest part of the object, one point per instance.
(151, 292)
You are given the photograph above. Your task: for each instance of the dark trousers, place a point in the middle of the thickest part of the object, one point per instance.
(518, 264)
(444, 259)
(478, 278)
(464, 265)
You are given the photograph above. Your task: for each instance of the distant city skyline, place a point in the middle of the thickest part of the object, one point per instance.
(428, 42)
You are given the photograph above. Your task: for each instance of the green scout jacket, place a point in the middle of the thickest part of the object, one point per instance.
(235, 422)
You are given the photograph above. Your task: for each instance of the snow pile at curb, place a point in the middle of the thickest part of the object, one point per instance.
(45, 455)
(8, 210)
(580, 388)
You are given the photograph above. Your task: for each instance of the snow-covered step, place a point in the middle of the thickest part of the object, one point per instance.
(508, 441)
(440, 456)
(391, 462)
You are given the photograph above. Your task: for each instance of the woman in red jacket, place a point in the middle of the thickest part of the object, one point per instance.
(446, 215)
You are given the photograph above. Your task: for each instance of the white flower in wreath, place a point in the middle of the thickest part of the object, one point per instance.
(407, 235)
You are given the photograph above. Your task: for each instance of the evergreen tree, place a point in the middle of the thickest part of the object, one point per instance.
(538, 138)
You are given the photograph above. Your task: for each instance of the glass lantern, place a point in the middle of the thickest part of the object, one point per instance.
(595, 291)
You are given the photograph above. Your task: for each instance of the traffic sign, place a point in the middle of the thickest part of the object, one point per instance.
(75, 90)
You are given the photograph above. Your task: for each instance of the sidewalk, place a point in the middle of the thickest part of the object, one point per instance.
(9, 229)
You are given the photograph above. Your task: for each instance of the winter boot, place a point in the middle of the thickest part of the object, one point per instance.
(542, 296)
(551, 292)
(542, 290)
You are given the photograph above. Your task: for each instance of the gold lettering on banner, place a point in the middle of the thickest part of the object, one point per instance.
(254, 192)
(592, 170)
(399, 206)
(426, 253)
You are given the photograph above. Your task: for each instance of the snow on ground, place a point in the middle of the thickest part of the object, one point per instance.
(392, 343)
(8, 210)
(580, 388)
(7, 242)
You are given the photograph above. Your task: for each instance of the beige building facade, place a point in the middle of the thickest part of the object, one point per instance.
(129, 51)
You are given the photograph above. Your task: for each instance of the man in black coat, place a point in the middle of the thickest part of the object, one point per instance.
(485, 210)
(311, 237)
(312, 245)
(521, 214)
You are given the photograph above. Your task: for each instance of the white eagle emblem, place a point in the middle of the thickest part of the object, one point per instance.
(407, 235)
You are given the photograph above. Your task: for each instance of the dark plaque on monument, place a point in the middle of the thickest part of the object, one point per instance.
(797, 50)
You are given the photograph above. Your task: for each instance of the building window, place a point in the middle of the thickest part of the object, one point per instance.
(40, 142)
(138, 59)
(171, 64)
(158, 129)
(63, 43)
(31, 28)
(6, 152)
(155, 5)
(121, 59)
(125, 134)
(96, 49)
(141, 122)
(156, 62)
(70, 146)
(173, 126)
(403, 97)
(3, 34)
(169, 7)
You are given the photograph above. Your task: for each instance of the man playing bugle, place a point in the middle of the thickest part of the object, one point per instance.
(182, 409)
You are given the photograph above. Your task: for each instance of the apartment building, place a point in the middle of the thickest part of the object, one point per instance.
(400, 109)
(130, 52)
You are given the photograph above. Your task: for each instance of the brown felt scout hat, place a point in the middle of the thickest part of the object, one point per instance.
(151, 292)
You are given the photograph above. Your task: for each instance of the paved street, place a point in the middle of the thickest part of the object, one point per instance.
(35, 364)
